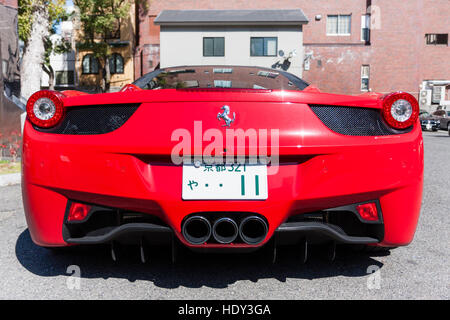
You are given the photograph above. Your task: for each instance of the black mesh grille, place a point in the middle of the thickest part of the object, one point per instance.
(90, 120)
(354, 121)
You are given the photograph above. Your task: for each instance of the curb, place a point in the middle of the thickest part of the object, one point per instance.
(9, 179)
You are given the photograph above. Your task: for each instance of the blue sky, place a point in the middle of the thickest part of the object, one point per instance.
(69, 3)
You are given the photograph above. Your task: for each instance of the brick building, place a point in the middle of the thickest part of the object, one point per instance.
(350, 46)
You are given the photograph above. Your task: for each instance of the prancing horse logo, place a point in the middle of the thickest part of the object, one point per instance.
(225, 117)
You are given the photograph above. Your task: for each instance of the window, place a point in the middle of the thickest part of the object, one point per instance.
(64, 77)
(257, 86)
(115, 32)
(204, 77)
(222, 83)
(438, 94)
(115, 63)
(263, 47)
(339, 24)
(267, 74)
(214, 47)
(223, 70)
(5, 68)
(437, 38)
(439, 113)
(90, 64)
(365, 74)
(365, 27)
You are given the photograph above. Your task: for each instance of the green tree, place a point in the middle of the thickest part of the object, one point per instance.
(37, 21)
(98, 19)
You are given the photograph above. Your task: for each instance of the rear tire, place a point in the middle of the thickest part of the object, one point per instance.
(448, 128)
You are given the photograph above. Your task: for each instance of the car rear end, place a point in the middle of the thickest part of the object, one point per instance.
(328, 168)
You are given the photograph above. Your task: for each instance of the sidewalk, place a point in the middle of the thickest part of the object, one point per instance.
(9, 179)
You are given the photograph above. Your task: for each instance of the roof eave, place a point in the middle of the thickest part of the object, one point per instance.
(230, 23)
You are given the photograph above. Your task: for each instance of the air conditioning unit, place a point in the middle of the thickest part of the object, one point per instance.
(438, 94)
(425, 97)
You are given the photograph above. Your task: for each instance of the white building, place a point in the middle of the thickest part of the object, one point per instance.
(63, 64)
(432, 95)
(232, 37)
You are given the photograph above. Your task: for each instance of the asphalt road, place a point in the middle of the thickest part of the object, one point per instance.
(419, 271)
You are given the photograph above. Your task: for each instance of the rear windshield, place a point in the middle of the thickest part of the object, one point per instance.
(220, 77)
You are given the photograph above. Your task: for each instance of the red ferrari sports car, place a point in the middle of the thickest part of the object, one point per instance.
(222, 158)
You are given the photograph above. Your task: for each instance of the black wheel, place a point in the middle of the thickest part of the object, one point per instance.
(448, 128)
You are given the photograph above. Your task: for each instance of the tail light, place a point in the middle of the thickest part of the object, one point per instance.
(78, 211)
(45, 108)
(368, 211)
(400, 110)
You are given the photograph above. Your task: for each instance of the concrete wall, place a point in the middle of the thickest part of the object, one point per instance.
(184, 45)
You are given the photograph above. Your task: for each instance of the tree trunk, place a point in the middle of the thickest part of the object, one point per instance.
(107, 74)
(33, 56)
(51, 76)
(51, 79)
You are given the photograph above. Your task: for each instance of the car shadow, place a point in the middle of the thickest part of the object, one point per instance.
(194, 270)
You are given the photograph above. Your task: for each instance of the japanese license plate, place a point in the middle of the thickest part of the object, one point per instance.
(429, 126)
(224, 182)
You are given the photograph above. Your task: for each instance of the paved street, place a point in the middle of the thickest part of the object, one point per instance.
(419, 271)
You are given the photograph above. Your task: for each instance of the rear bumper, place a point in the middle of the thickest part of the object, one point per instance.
(287, 233)
(153, 233)
(344, 171)
(294, 232)
(340, 225)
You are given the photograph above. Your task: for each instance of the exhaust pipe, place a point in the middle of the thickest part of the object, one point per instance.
(225, 230)
(253, 230)
(196, 230)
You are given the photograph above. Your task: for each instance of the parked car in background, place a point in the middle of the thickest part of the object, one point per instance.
(429, 122)
(444, 119)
